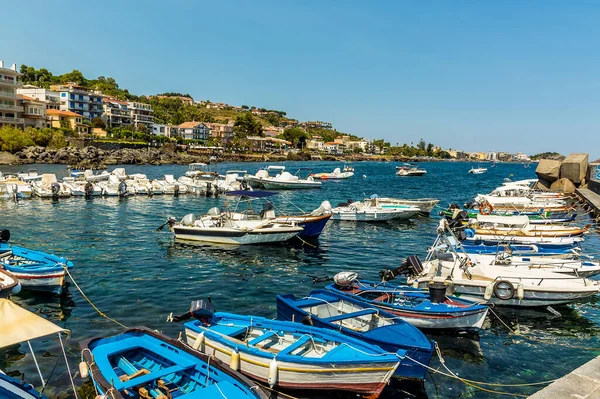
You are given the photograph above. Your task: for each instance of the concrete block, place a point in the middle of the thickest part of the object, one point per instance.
(564, 185)
(548, 170)
(574, 167)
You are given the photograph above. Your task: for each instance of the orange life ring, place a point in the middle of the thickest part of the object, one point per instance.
(486, 208)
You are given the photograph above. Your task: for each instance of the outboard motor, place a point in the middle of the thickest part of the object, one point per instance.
(176, 190)
(200, 310)
(122, 189)
(4, 235)
(208, 189)
(55, 188)
(458, 219)
(88, 189)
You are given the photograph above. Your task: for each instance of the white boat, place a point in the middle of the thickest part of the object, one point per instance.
(224, 227)
(496, 284)
(49, 187)
(410, 171)
(17, 189)
(82, 188)
(90, 176)
(255, 181)
(171, 186)
(140, 184)
(200, 170)
(348, 168)
(199, 186)
(157, 187)
(370, 211)
(114, 187)
(520, 202)
(30, 176)
(425, 205)
(287, 181)
(477, 170)
(119, 173)
(337, 174)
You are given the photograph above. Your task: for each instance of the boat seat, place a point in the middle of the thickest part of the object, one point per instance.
(292, 347)
(144, 379)
(261, 338)
(351, 315)
(225, 389)
(230, 331)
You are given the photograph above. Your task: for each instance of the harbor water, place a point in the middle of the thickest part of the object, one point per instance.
(138, 276)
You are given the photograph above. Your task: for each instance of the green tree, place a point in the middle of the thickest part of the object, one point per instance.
(74, 76)
(97, 122)
(296, 136)
(13, 140)
(246, 125)
(429, 149)
(245, 107)
(421, 146)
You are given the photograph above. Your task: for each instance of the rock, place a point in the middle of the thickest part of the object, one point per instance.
(6, 158)
(111, 161)
(564, 185)
(542, 185)
(548, 170)
(574, 167)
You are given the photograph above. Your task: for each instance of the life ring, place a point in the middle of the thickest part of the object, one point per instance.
(504, 285)
(486, 208)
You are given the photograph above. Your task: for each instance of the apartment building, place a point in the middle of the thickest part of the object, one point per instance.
(79, 100)
(193, 131)
(56, 118)
(11, 112)
(221, 131)
(51, 98)
(141, 115)
(159, 129)
(116, 113)
(315, 143)
(34, 112)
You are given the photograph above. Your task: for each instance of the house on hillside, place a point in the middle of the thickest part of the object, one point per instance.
(194, 131)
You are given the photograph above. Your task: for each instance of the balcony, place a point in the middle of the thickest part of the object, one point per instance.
(8, 94)
(16, 121)
(10, 82)
(10, 107)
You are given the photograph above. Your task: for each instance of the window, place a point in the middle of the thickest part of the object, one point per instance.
(63, 94)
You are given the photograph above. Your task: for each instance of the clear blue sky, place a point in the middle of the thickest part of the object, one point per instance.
(475, 75)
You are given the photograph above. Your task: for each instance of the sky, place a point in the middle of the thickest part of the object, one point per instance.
(475, 75)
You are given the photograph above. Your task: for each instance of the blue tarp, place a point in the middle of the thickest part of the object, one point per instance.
(254, 194)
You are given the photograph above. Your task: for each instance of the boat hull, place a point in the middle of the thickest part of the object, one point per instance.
(52, 282)
(14, 389)
(233, 236)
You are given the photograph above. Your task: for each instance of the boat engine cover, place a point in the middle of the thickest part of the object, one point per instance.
(345, 279)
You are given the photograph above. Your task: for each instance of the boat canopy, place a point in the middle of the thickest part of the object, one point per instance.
(19, 325)
(253, 194)
(506, 220)
(275, 167)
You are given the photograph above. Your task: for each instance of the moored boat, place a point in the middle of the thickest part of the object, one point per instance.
(291, 355)
(337, 174)
(477, 171)
(141, 363)
(287, 181)
(425, 205)
(410, 171)
(371, 211)
(361, 320)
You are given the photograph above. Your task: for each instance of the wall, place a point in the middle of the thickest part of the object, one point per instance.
(593, 177)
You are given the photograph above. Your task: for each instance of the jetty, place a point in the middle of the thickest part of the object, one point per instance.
(581, 383)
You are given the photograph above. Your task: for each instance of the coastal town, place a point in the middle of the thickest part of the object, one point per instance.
(81, 111)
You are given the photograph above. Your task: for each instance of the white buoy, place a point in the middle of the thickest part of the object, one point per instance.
(273, 373)
(84, 370)
(235, 360)
(520, 291)
(364, 176)
(489, 290)
(199, 341)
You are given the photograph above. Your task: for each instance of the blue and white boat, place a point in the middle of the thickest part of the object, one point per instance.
(294, 356)
(416, 306)
(554, 251)
(359, 319)
(140, 363)
(36, 270)
(11, 388)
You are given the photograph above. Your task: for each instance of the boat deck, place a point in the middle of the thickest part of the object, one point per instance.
(590, 198)
(581, 383)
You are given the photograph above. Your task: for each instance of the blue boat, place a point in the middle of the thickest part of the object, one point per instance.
(416, 306)
(361, 320)
(559, 250)
(11, 388)
(140, 363)
(36, 270)
(292, 355)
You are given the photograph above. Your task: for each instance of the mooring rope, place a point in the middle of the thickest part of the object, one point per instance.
(89, 300)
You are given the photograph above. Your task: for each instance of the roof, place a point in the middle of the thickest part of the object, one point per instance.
(186, 125)
(19, 325)
(61, 113)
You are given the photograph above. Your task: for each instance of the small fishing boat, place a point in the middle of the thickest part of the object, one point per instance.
(255, 180)
(568, 251)
(337, 174)
(49, 187)
(361, 320)
(11, 388)
(82, 188)
(538, 216)
(9, 284)
(17, 189)
(371, 211)
(30, 176)
(410, 171)
(287, 181)
(141, 363)
(232, 227)
(115, 187)
(477, 171)
(90, 176)
(291, 355)
(37, 271)
(171, 186)
(417, 307)
(348, 168)
(425, 205)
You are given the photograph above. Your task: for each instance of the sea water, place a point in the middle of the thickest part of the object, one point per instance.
(138, 276)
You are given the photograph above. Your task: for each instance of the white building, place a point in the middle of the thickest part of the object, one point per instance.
(221, 131)
(492, 156)
(315, 143)
(521, 157)
(11, 112)
(193, 131)
(116, 113)
(142, 115)
(34, 112)
(159, 129)
(51, 98)
(80, 100)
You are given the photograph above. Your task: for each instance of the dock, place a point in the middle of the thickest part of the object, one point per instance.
(581, 383)
(590, 199)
